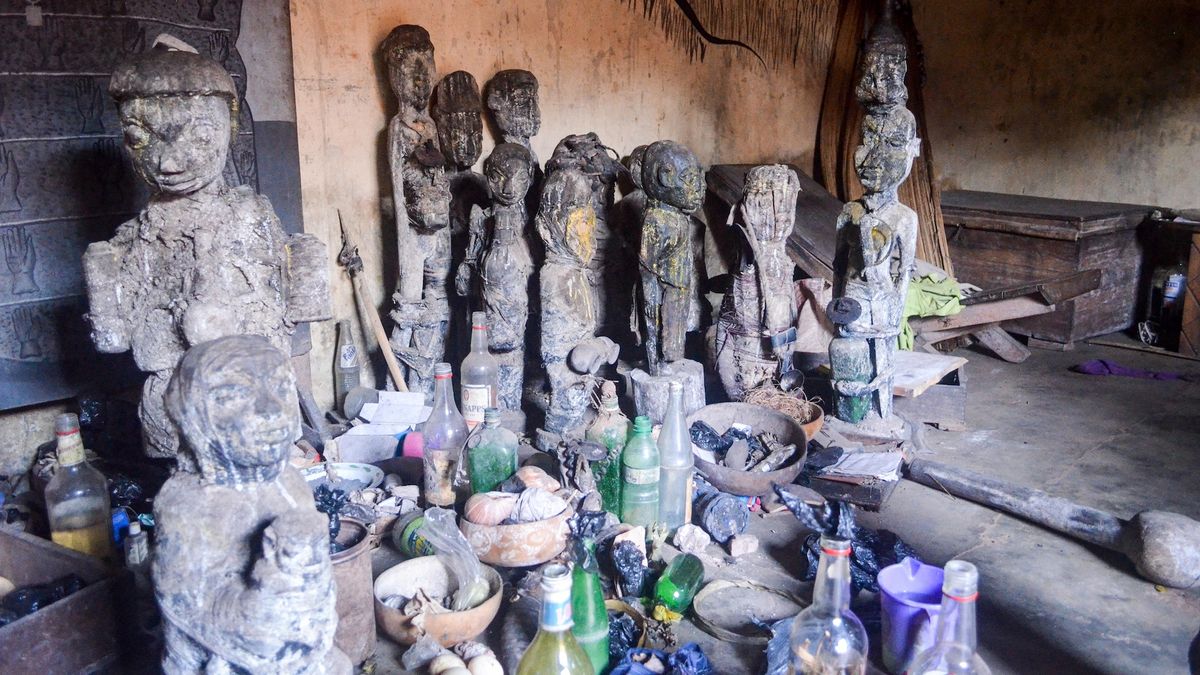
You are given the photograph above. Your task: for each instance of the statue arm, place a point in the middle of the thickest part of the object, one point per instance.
(102, 275)
(469, 267)
(410, 273)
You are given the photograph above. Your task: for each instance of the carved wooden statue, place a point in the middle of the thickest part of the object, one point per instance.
(241, 567)
(421, 196)
(498, 265)
(458, 114)
(202, 260)
(758, 313)
(876, 238)
(512, 99)
(674, 185)
(571, 352)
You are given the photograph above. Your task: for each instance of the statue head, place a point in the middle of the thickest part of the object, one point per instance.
(585, 153)
(408, 53)
(566, 217)
(671, 174)
(768, 203)
(884, 64)
(426, 189)
(459, 117)
(509, 172)
(889, 145)
(178, 112)
(234, 401)
(512, 99)
(634, 164)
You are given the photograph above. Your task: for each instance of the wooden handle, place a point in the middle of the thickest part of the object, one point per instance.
(381, 339)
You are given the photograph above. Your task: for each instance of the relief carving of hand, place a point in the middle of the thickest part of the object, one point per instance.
(10, 181)
(53, 45)
(218, 47)
(20, 257)
(108, 162)
(28, 325)
(89, 103)
(207, 10)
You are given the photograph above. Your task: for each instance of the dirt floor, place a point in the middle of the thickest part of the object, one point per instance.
(1048, 604)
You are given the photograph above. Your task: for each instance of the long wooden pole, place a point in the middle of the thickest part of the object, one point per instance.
(350, 259)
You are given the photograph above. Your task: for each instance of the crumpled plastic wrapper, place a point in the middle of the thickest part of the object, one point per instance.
(536, 504)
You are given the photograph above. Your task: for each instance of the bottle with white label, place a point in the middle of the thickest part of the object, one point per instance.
(554, 650)
(639, 476)
(347, 371)
(480, 374)
(77, 499)
(675, 451)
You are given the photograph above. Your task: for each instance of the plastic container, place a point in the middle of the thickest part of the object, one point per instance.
(911, 595)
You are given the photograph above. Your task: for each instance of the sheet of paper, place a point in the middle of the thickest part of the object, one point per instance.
(881, 465)
(397, 407)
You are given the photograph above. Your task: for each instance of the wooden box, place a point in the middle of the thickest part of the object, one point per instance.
(999, 240)
(74, 635)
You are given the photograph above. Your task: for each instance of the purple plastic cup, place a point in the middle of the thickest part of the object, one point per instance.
(911, 594)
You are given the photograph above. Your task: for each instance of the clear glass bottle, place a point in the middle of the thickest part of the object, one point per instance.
(491, 454)
(77, 498)
(347, 372)
(678, 467)
(610, 429)
(480, 374)
(953, 648)
(554, 650)
(639, 476)
(444, 435)
(827, 638)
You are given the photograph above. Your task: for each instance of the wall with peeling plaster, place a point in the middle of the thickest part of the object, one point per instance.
(601, 66)
(1091, 100)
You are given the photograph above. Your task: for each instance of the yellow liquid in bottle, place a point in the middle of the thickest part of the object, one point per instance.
(92, 539)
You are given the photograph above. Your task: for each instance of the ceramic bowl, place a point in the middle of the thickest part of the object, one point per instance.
(348, 476)
(430, 574)
(519, 545)
(720, 416)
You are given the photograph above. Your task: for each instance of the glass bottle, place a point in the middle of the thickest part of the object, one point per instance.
(610, 429)
(554, 650)
(679, 583)
(444, 435)
(77, 496)
(137, 546)
(346, 372)
(639, 476)
(827, 638)
(587, 607)
(491, 454)
(480, 374)
(678, 467)
(953, 648)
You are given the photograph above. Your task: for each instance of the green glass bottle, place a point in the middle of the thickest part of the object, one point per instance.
(610, 429)
(679, 583)
(554, 650)
(587, 606)
(491, 454)
(639, 476)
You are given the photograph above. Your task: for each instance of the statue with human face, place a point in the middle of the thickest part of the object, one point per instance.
(512, 100)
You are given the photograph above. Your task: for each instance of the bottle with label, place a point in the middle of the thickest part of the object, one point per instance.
(347, 370)
(480, 374)
(678, 467)
(610, 429)
(679, 583)
(554, 650)
(827, 638)
(77, 500)
(639, 476)
(953, 648)
(137, 546)
(407, 538)
(491, 454)
(444, 435)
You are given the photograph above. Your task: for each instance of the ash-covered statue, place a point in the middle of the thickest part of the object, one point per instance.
(498, 266)
(202, 260)
(756, 328)
(876, 241)
(241, 568)
(458, 114)
(421, 196)
(512, 100)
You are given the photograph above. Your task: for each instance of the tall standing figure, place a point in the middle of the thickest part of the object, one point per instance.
(421, 197)
(876, 239)
(202, 260)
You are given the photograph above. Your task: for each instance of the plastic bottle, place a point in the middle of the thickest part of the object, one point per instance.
(444, 434)
(678, 468)
(587, 608)
(639, 476)
(77, 499)
(953, 648)
(491, 454)
(610, 429)
(679, 583)
(827, 638)
(480, 374)
(137, 546)
(347, 370)
(554, 650)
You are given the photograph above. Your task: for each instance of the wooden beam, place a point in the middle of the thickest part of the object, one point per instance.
(988, 312)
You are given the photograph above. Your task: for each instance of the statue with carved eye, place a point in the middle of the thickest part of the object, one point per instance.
(202, 260)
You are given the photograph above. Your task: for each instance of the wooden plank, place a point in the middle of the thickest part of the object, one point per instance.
(1123, 341)
(1053, 291)
(1001, 343)
(1189, 331)
(977, 315)
(1050, 345)
(944, 404)
(917, 371)
(1046, 208)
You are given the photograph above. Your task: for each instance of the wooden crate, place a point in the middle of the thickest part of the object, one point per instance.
(999, 240)
(74, 635)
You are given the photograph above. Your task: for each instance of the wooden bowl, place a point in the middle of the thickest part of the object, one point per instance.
(519, 545)
(429, 573)
(720, 416)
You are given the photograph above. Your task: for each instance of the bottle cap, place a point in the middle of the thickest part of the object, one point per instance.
(479, 320)
(135, 527)
(961, 581)
(835, 546)
(441, 370)
(491, 417)
(66, 423)
(641, 425)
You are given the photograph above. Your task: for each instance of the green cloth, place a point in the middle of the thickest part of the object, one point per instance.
(928, 296)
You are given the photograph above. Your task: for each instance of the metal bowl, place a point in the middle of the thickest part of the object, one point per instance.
(720, 416)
